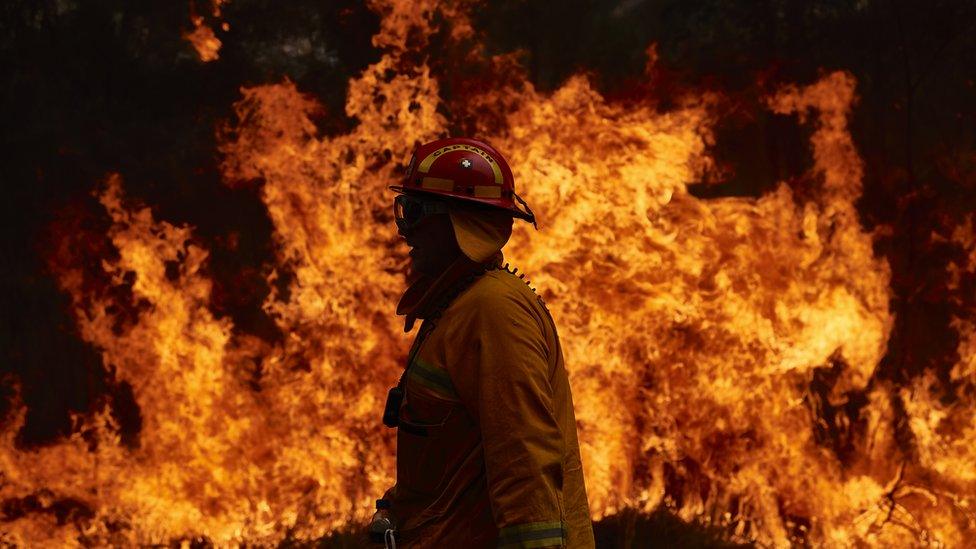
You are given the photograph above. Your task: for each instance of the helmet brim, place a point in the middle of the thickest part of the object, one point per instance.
(514, 211)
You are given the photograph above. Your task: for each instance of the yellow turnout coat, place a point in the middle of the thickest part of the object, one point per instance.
(487, 452)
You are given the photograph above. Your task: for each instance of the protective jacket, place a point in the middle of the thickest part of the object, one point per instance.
(487, 451)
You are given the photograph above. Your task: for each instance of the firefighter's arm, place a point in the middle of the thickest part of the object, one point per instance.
(503, 379)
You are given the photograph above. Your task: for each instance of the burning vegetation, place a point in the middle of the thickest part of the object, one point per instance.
(767, 357)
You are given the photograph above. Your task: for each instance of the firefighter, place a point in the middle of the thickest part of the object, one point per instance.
(487, 451)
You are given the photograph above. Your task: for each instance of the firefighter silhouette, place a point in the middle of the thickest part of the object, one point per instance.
(487, 449)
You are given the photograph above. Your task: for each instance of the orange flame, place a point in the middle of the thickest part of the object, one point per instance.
(707, 339)
(202, 37)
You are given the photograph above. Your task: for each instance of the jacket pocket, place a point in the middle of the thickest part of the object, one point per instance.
(424, 443)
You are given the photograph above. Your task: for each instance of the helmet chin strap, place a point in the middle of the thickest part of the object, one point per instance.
(528, 210)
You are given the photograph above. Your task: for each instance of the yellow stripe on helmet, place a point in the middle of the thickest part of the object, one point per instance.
(426, 163)
(487, 191)
(437, 184)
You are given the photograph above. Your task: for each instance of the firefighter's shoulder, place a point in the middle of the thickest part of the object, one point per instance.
(496, 295)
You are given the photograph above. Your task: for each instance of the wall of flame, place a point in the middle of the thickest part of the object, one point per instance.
(709, 342)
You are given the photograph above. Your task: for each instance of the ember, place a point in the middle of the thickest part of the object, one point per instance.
(730, 356)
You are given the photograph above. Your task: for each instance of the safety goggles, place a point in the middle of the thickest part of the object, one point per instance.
(409, 211)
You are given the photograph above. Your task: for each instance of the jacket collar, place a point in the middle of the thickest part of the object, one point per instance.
(427, 294)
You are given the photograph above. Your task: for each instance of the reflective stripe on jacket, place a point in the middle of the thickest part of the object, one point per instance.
(487, 452)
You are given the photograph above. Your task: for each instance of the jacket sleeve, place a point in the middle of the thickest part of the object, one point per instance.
(502, 376)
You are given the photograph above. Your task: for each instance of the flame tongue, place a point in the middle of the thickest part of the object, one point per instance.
(721, 351)
(202, 37)
(706, 320)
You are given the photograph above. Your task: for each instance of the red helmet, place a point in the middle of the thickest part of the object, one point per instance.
(464, 169)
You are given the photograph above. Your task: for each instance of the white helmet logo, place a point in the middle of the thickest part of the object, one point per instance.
(465, 163)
